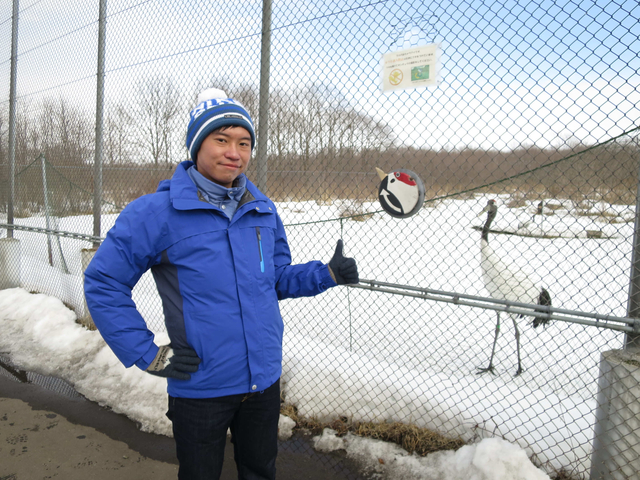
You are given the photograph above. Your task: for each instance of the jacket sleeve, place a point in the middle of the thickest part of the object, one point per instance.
(118, 264)
(301, 280)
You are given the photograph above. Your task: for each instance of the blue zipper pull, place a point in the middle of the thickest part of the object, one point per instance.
(260, 247)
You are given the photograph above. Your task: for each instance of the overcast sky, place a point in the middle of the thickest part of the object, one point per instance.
(512, 73)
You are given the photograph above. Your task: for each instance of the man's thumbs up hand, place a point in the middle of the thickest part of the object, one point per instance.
(344, 270)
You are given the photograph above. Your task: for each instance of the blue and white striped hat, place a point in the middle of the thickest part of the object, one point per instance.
(215, 110)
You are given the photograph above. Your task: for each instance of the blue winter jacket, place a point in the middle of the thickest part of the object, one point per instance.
(219, 280)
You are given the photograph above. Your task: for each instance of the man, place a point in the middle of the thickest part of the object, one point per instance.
(219, 255)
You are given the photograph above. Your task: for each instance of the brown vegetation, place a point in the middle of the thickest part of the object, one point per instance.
(411, 438)
(320, 148)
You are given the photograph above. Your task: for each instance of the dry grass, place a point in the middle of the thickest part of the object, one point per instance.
(562, 475)
(413, 439)
(421, 441)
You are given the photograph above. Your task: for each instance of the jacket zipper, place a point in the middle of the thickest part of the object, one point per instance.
(260, 249)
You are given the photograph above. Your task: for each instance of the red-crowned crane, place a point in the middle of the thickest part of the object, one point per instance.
(507, 281)
(539, 208)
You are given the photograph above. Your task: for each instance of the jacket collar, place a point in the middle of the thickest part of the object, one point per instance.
(183, 193)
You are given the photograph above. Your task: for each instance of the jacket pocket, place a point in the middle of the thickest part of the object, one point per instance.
(261, 255)
(219, 339)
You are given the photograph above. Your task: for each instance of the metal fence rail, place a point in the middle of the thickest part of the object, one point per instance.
(535, 105)
(622, 324)
(47, 231)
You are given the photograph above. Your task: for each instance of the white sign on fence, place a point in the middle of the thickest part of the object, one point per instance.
(410, 68)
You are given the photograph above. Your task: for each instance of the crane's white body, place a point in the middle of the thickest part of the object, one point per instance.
(505, 281)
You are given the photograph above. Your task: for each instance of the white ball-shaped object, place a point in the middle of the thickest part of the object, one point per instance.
(210, 94)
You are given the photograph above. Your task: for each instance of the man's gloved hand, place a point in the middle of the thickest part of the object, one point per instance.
(343, 270)
(170, 363)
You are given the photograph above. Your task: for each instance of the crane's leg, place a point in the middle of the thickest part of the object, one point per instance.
(515, 325)
(493, 349)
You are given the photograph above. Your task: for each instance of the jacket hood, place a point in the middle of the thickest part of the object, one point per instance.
(163, 186)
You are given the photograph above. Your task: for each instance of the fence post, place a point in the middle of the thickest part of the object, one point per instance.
(45, 193)
(9, 263)
(97, 187)
(51, 222)
(86, 255)
(616, 440)
(632, 340)
(10, 247)
(263, 113)
(12, 117)
(616, 443)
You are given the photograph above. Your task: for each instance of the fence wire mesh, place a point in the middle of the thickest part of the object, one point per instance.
(536, 108)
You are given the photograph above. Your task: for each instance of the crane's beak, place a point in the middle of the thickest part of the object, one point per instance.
(381, 174)
(484, 210)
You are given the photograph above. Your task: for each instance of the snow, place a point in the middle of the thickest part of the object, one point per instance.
(490, 459)
(381, 357)
(41, 335)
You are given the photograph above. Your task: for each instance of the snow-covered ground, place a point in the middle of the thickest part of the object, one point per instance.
(41, 335)
(373, 356)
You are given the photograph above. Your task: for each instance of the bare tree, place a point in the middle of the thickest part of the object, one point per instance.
(4, 155)
(278, 116)
(117, 127)
(64, 133)
(4, 130)
(156, 113)
(25, 143)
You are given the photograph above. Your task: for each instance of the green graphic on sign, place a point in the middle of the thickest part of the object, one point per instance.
(420, 73)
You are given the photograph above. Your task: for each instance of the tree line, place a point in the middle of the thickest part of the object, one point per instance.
(320, 147)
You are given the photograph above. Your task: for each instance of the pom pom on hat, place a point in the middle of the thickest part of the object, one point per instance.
(215, 110)
(211, 93)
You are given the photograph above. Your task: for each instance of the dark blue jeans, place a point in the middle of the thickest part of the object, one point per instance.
(200, 431)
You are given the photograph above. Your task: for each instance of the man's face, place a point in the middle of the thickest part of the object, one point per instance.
(224, 155)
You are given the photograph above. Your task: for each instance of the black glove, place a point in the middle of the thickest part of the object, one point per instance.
(170, 363)
(344, 270)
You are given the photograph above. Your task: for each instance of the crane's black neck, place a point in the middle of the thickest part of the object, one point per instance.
(491, 214)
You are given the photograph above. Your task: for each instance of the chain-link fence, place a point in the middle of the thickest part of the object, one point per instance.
(535, 107)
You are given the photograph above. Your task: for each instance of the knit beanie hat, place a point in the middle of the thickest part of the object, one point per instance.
(215, 110)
